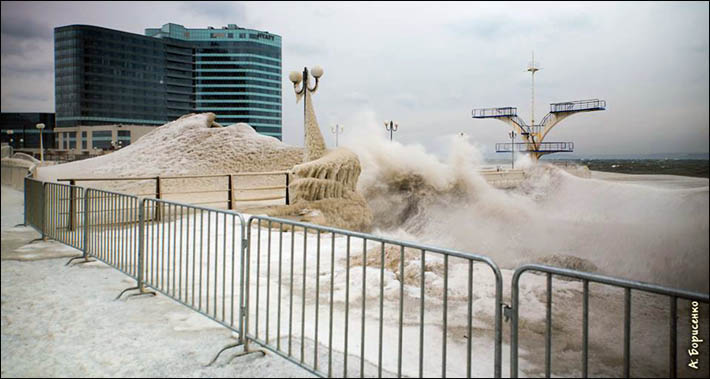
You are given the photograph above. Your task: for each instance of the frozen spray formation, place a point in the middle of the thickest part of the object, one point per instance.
(639, 232)
(326, 183)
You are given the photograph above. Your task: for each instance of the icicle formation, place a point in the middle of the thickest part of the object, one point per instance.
(332, 176)
(314, 142)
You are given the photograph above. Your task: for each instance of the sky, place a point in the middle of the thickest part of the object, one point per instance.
(427, 65)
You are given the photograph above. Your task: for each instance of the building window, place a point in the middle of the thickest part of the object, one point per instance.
(101, 139)
(83, 141)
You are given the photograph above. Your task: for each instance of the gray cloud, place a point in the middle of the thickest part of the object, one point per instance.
(426, 65)
(231, 12)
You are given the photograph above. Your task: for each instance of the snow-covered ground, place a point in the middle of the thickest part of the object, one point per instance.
(63, 321)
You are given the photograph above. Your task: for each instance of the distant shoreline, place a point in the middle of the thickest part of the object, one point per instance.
(681, 167)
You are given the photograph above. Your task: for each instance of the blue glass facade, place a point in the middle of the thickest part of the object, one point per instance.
(106, 76)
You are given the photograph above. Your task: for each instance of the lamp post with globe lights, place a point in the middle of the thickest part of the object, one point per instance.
(297, 77)
(391, 127)
(40, 126)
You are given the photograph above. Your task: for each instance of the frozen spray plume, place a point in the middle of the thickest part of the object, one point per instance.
(324, 185)
(638, 232)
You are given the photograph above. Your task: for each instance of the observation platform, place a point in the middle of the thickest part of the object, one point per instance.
(495, 112)
(578, 106)
(544, 147)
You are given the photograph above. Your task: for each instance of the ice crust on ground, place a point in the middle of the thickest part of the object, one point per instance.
(62, 321)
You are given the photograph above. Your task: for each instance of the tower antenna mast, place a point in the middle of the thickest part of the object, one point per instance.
(533, 69)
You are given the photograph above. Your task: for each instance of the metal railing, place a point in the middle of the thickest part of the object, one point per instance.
(275, 331)
(113, 226)
(579, 105)
(194, 255)
(494, 112)
(543, 147)
(64, 214)
(220, 189)
(34, 204)
(586, 278)
(289, 287)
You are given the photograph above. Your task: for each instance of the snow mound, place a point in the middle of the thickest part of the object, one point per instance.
(189, 145)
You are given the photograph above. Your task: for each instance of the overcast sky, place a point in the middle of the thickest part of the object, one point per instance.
(426, 65)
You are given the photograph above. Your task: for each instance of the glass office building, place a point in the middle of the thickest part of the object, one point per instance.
(105, 76)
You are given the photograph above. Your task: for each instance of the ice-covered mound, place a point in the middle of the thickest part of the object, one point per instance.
(189, 145)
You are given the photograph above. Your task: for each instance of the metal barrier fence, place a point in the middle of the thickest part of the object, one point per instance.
(113, 228)
(287, 286)
(193, 255)
(64, 214)
(275, 331)
(34, 204)
(586, 278)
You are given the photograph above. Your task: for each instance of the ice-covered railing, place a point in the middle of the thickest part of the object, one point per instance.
(211, 189)
(579, 105)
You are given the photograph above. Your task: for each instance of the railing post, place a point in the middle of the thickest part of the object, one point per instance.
(287, 197)
(157, 196)
(230, 186)
(24, 216)
(86, 224)
(141, 246)
(43, 211)
(72, 205)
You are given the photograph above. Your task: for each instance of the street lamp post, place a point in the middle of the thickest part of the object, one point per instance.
(337, 129)
(391, 127)
(512, 148)
(9, 133)
(40, 126)
(296, 78)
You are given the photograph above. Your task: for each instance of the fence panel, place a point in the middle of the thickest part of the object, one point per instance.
(113, 229)
(194, 255)
(34, 204)
(64, 214)
(674, 295)
(341, 303)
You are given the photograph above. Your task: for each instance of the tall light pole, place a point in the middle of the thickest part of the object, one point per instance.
(337, 129)
(391, 127)
(40, 126)
(512, 148)
(296, 78)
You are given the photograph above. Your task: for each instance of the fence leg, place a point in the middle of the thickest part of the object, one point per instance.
(243, 324)
(141, 247)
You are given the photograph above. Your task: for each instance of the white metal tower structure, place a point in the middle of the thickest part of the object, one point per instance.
(532, 68)
(534, 134)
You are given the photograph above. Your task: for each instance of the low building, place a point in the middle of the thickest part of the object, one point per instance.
(92, 139)
(19, 130)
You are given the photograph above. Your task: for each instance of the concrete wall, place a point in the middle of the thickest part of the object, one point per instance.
(14, 172)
